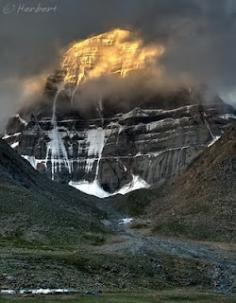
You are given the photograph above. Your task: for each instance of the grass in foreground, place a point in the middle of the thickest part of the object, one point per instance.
(165, 296)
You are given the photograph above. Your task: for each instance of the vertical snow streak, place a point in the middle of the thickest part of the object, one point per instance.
(56, 150)
(214, 138)
(95, 141)
(209, 129)
(100, 110)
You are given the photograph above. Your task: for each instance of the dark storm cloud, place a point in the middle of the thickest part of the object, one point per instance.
(199, 36)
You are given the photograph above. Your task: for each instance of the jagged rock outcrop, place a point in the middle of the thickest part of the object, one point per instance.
(109, 152)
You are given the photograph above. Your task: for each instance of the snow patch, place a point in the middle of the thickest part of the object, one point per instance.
(6, 136)
(126, 221)
(136, 183)
(216, 138)
(162, 123)
(137, 112)
(14, 145)
(7, 292)
(95, 143)
(39, 291)
(31, 160)
(90, 188)
(21, 120)
(228, 116)
(95, 189)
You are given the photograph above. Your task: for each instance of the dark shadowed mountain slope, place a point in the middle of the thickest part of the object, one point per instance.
(36, 209)
(202, 202)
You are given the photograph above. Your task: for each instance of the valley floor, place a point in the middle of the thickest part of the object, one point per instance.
(165, 296)
(129, 259)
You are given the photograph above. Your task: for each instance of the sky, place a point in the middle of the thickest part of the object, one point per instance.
(199, 36)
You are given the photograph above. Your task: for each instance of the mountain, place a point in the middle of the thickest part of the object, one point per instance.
(112, 148)
(45, 229)
(37, 210)
(201, 204)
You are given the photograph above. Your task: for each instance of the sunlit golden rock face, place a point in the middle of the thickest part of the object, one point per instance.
(116, 52)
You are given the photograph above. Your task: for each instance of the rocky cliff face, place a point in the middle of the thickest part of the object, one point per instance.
(115, 152)
(94, 131)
